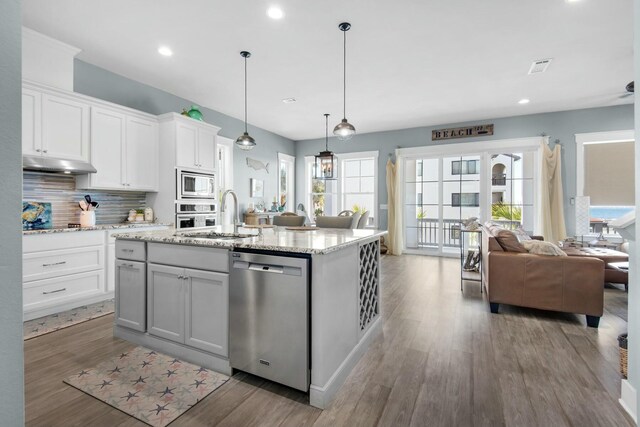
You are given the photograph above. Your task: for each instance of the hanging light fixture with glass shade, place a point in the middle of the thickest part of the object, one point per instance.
(245, 141)
(325, 166)
(344, 130)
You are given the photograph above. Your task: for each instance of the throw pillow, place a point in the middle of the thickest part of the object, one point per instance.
(539, 247)
(508, 240)
(521, 234)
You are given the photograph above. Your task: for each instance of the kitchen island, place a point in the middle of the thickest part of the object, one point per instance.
(181, 293)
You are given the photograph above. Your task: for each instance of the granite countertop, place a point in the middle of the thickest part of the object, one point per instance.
(95, 228)
(318, 241)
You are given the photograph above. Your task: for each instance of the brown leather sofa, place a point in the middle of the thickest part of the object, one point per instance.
(557, 283)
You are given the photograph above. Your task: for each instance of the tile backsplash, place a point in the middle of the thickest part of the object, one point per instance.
(60, 191)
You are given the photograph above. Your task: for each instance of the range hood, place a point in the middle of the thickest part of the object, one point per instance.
(48, 164)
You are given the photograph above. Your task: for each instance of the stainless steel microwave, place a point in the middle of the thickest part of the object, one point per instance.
(195, 185)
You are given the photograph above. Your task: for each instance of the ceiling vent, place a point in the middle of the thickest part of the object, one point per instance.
(540, 66)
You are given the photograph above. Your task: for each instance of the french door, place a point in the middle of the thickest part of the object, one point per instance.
(441, 190)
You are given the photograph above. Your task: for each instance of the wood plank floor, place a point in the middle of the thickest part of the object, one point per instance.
(442, 360)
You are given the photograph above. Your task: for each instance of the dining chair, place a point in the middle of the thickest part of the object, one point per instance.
(290, 220)
(334, 222)
(364, 219)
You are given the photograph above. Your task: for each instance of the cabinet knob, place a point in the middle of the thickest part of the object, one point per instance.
(38, 150)
(45, 151)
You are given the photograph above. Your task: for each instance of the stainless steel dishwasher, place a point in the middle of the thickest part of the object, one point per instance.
(269, 317)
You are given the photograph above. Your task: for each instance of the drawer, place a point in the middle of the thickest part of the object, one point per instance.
(66, 240)
(44, 265)
(60, 289)
(199, 257)
(129, 249)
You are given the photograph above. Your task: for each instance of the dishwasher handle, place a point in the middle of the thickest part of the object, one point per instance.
(267, 268)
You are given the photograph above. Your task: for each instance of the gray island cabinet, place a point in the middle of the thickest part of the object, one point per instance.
(172, 295)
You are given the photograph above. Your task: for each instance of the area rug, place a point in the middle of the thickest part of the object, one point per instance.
(54, 322)
(147, 385)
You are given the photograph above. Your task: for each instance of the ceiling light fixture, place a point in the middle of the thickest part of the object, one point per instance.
(524, 101)
(289, 100)
(165, 51)
(244, 141)
(326, 162)
(344, 130)
(274, 12)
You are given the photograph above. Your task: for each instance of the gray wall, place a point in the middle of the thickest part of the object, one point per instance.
(11, 357)
(100, 83)
(559, 125)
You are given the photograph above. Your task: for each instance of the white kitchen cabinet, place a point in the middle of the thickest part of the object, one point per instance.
(188, 306)
(165, 302)
(124, 151)
(186, 146)
(131, 289)
(196, 146)
(207, 149)
(31, 122)
(65, 127)
(141, 157)
(54, 125)
(111, 267)
(107, 148)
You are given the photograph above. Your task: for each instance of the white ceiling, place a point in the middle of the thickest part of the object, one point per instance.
(410, 62)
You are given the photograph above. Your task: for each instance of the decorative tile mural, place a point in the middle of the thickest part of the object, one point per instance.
(60, 191)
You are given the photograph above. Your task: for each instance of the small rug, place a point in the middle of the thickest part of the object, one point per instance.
(54, 322)
(147, 385)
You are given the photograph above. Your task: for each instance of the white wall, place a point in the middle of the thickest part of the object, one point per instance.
(11, 357)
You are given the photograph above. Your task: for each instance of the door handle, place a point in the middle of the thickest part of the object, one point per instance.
(55, 263)
(53, 292)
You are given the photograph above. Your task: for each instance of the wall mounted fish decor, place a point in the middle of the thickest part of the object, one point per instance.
(257, 164)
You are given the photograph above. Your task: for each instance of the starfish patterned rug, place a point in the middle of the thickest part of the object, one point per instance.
(148, 385)
(54, 322)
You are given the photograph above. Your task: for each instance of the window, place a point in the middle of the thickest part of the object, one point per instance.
(286, 181)
(465, 199)
(512, 189)
(359, 185)
(465, 167)
(356, 187)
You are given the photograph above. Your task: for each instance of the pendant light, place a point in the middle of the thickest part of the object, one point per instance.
(344, 130)
(244, 141)
(326, 162)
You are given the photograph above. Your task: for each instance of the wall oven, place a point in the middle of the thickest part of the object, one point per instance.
(186, 221)
(196, 214)
(195, 185)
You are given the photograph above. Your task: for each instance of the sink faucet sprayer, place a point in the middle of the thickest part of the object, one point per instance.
(236, 217)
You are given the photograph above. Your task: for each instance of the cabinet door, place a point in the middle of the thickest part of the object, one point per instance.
(207, 311)
(130, 294)
(31, 122)
(107, 148)
(165, 302)
(206, 150)
(142, 154)
(111, 268)
(65, 128)
(186, 146)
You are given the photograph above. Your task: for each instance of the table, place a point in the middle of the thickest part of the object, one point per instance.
(471, 256)
(257, 218)
(623, 268)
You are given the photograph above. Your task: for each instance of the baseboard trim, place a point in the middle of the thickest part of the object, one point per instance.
(321, 396)
(629, 399)
(191, 355)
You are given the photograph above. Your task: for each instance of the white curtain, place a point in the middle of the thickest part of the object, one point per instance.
(551, 209)
(394, 206)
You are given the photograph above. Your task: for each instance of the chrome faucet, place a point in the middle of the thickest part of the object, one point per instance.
(236, 218)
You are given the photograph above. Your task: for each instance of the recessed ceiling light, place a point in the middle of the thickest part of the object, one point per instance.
(572, 1)
(524, 101)
(165, 51)
(289, 100)
(275, 12)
